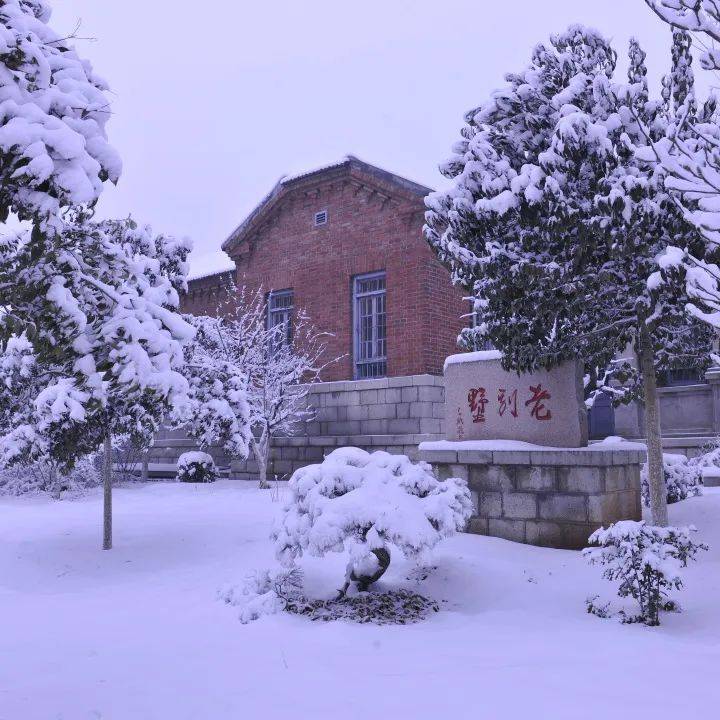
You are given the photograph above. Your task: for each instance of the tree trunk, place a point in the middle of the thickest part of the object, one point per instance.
(656, 477)
(145, 467)
(261, 449)
(54, 484)
(363, 582)
(107, 493)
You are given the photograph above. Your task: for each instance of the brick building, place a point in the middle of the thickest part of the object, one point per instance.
(345, 244)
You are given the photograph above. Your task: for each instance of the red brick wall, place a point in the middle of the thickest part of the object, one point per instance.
(206, 293)
(371, 226)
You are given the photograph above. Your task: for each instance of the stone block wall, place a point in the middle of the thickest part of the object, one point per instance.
(688, 412)
(392, 414)
(291, 453)
(553, 498)
(387, 413)
(409, 405)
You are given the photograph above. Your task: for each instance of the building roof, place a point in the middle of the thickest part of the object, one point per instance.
(227, 267)
(286, 183)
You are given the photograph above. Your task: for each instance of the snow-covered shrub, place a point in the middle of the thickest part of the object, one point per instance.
(263, 593)
(363, 503)
(42, 476)
(646, 560)
(266, 592)
(709, 456)
(196, 467)
(683, 478)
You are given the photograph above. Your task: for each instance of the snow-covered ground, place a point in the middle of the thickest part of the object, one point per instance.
(138, 634)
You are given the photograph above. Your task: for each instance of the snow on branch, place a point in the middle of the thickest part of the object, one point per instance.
(250, 380)
(90, 340)
(701, 17)
(53, 112)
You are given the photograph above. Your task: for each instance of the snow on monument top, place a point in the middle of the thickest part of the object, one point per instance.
(472, 357)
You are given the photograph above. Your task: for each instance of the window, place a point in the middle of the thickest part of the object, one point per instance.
(321, 218)
(369, 321)
(279, 312)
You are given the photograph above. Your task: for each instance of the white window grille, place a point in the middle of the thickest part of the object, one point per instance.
(370, 346)
(321, 218)
(279, 312)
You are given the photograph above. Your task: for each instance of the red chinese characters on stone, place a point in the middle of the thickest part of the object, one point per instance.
(507, 401)
(536, 404)
(477, 401)
(460, 425)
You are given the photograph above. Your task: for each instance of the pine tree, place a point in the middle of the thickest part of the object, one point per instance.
(107, 356)
(53, 147)
(554, 225)
(90, 343)
(689, 155)
(682, 76)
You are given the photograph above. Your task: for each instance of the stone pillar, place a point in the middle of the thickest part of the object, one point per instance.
(713, 378)
(629, 420)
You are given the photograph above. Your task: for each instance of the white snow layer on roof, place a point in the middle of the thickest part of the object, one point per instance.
(296, 176)
(210, 264)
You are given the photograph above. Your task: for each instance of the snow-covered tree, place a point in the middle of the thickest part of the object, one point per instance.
(91, 344)
(217, 370)
(645, 561)
(53, 109)
(364, 503)
(54, 156)
(250, 381)
(689, 154)
(555, 225)
(281, 380)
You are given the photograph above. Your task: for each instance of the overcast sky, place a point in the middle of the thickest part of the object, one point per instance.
(214, 101)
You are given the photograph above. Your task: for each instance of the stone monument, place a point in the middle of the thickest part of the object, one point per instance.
(485, 402)
(521, 443)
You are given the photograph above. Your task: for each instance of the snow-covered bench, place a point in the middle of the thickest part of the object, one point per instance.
(159, 470)
(711, 476)
(154, 469)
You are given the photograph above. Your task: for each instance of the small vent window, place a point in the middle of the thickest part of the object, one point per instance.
(321, 218)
